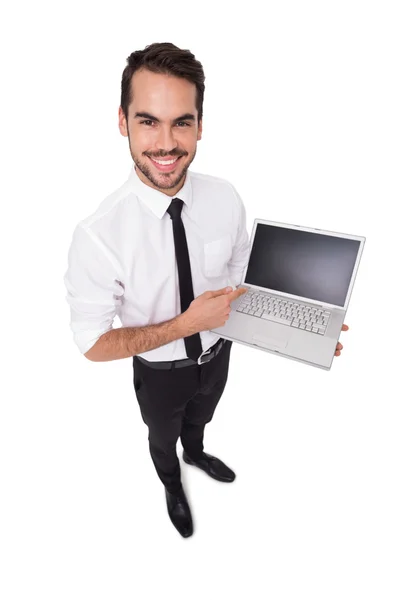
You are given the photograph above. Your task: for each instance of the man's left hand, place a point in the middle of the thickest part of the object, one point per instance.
(339, 346)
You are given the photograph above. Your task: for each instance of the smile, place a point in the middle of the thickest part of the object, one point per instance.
(165, 165)
(165, 162)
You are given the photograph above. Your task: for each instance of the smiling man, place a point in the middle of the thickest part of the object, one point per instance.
(162, 145)
(162, 117)
(161, 253)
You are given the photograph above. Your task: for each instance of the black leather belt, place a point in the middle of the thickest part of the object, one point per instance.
(206, 356)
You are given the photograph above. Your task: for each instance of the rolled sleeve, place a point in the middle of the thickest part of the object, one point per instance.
(241, 250)
(94, 289)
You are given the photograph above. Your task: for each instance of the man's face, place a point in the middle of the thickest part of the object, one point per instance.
(162, 124)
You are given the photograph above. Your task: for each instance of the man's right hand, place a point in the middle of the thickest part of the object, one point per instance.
(211, 309)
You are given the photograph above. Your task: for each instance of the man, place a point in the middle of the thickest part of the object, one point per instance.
(161, 252)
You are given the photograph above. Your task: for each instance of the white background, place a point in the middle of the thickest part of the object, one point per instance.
(301, 114)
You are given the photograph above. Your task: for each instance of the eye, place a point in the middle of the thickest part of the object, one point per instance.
(184, 123)
(146, 122)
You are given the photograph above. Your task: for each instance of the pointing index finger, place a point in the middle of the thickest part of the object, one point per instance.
(236, 293)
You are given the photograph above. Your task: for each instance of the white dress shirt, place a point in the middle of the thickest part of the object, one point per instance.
(122, 258)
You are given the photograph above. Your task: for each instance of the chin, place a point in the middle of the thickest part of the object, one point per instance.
(169, 180)
(167, 184)
(163, 181)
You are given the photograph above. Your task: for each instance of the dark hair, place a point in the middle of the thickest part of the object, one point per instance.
(163, 58)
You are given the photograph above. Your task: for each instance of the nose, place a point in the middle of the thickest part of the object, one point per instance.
(165, 140)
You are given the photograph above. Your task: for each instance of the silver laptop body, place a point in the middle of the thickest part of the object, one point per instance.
(299, 282)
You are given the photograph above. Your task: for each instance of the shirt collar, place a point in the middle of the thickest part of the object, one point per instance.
(157, 201)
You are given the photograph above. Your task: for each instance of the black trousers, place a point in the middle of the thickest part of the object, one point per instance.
(179, 403)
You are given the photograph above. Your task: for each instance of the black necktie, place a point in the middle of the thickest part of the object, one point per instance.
(193, 342)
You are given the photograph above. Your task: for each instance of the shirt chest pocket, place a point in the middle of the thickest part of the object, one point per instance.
(217, 254)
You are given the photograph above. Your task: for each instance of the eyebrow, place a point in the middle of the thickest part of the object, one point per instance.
(145, 115)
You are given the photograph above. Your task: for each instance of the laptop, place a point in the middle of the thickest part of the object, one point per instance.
(299, 282)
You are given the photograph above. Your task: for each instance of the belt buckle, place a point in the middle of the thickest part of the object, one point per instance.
(207, 354)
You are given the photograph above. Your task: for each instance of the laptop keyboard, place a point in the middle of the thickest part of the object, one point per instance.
(284, 311)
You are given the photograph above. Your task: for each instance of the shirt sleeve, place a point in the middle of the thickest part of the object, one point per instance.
(241, 250)
(94, 291)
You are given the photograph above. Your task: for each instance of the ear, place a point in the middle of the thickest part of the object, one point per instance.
(200, 130)
(122, 124)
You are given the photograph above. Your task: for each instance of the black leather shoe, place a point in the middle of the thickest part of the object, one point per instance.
(179, 512)
(214, 467)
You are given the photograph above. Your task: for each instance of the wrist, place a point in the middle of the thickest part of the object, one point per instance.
(185, 327)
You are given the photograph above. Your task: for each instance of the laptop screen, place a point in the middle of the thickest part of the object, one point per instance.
(311, 265)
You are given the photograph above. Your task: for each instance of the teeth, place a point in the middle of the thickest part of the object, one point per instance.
(165, 162)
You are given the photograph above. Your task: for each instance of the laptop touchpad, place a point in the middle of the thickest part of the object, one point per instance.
(269, 341)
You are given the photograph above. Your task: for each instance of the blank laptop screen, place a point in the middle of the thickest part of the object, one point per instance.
(310, 265)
